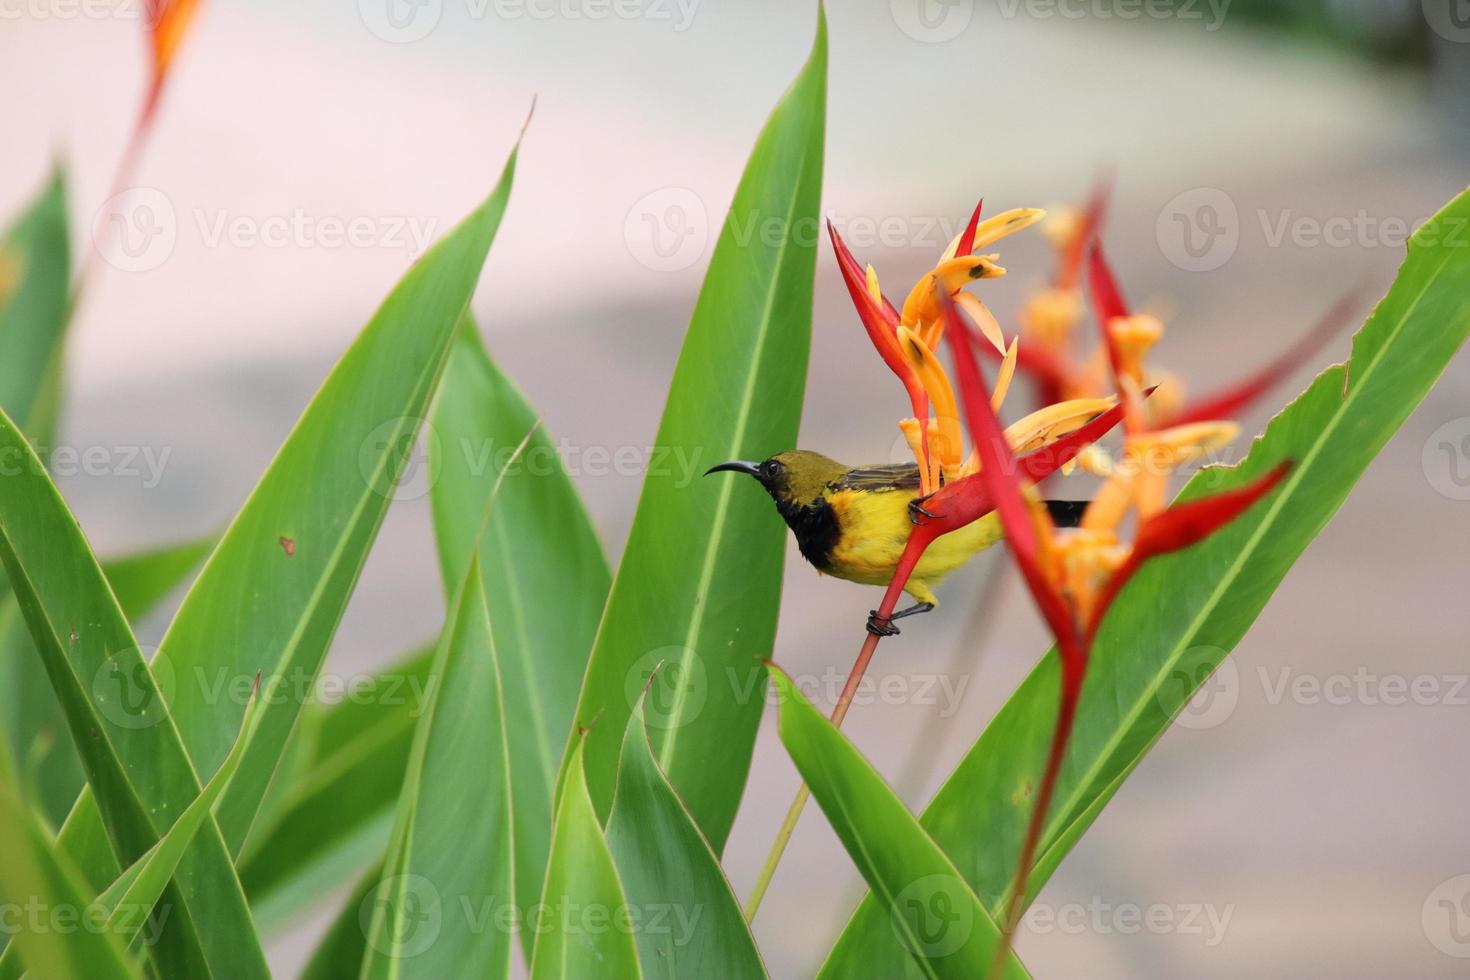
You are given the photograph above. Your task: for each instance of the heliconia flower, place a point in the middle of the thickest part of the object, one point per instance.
(1049, 319)
(907, 340)
(1075, 574)
(168, 22)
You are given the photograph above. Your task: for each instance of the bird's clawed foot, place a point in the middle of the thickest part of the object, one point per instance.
(917, 511)
(883, 625)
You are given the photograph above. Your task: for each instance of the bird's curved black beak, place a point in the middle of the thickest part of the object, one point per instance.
(736, 466)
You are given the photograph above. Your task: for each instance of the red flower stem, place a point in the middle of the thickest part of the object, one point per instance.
(919, 539)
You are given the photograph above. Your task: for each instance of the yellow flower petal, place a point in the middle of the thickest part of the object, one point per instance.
(1088, 558)
(920, 298)
(983, 319)
(1054, 421)
(1062, 225)
(1150, 489)
(1167, 401)
(1172, 447)
(913, 435)
(947, 446)
(1051, 316)
(922, 305)
(1110, 504)
(1003, 379)
(873, 289)
(1003, 224)
(1094, 459)
(1134, 336)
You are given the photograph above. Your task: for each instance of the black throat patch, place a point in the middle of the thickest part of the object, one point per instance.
(815, 526)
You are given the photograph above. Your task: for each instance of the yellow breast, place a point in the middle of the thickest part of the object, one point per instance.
(875, 528)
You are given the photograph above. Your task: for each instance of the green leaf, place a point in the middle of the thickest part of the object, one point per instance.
(688, 921)
(130, 899)
(271, 595)
(545, 577)
(35, 277)
(589, 933)
(135, 761)
(35, 875)
(136, 891)
(337, 813)
(450, 860)
(926, 903)
(1179, 617)
(700, 579)
(29, 710)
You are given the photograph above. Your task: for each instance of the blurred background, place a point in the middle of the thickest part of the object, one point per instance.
(1267, 158)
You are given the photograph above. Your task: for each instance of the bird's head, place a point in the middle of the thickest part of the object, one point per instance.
(795, 478)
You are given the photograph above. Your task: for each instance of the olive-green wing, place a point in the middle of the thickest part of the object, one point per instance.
(891, 476)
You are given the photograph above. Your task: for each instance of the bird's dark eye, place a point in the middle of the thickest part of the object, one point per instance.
(771, 468)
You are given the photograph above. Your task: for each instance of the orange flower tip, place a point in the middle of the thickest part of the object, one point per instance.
(168, 22)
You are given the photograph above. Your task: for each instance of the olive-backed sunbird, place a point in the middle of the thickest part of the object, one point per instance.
(853, 522)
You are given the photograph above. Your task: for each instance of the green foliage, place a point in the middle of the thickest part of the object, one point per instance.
(700, 580)
(304, 534)
(687, 920)
(583, 898)
(451, 843)
(35, 269)
(544, 576)
(31, 716)
(34, 874)
(925, 901)
(336, 813)
(137, 768)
